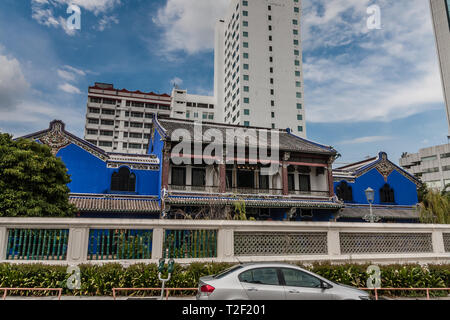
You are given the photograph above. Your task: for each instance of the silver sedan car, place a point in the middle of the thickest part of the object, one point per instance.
(273, 281)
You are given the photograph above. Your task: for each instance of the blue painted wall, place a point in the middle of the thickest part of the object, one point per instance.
(405, 191)
(156, 147)
(91, 175)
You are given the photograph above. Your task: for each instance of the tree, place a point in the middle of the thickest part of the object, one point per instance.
(422, 190)
(435, 208)
(33, 182)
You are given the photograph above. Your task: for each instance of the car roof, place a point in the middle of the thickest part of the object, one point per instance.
(271, 264)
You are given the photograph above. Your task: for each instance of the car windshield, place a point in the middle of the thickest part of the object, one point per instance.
(227, 271)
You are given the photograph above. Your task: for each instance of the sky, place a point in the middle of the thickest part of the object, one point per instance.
(366, 90)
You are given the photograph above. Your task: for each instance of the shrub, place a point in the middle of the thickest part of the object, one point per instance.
(99, 280)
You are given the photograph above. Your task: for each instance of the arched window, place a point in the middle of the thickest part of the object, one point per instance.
(344, 192)
(123, 180)
(387, 194)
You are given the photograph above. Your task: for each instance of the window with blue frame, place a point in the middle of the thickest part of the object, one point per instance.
(124, 180)
(344, 192)
(387, 194)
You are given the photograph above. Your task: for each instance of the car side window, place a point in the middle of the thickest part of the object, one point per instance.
(297, 278)
(267, 276)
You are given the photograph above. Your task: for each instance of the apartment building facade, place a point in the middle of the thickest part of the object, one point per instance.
(440, 12)
(119, 121)
(258, 65)
(431, 165)
(193, 107)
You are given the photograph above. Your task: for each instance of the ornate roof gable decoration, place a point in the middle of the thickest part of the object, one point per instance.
(55, 138)
(384, 166)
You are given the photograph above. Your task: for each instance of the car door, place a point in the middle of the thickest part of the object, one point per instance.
(262, 284)
(299, 285)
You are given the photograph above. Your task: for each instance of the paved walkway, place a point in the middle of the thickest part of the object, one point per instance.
(73, 298)
(84, 298)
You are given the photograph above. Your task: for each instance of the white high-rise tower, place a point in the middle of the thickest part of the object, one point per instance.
(258, 65)
(440, 11)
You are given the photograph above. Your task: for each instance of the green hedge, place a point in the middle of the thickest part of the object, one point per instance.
(99, 280)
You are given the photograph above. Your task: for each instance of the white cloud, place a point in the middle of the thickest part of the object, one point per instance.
(43, 11)
(44, 16)
(33, 115)
(69, 73)
(66, 87)
(355, 75)
(189, 24)
(106, 22)
(176, 81)
(365, 140)
(95, 6)
(13, 84)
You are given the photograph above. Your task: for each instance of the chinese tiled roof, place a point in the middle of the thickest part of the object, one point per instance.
(255, 202)
(57, 138)
(381, 163)
(114, 203)
(399, 212)
(287, 140)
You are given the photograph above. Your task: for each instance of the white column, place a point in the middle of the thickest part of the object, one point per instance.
(225, 245)
(438, 242)
(77, 248)
(333, 241)
(157, 243)
(3, 242)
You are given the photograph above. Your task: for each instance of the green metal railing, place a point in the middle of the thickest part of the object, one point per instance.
(105, 244)
(34, 244)
(190, 244)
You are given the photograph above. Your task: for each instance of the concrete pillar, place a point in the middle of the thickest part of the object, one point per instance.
(438, 242)
(330, 180)
(157, 243)
(77, 248)
(334, 244)
(3, 242)
(165, 169)
(284, 179)
(222, 178)
(225, 245)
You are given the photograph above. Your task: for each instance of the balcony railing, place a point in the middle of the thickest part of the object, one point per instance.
(210, 189)
(254, 191)
(311, 193)
(215, 189)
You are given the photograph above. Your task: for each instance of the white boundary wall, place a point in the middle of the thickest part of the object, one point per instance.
(77, 251)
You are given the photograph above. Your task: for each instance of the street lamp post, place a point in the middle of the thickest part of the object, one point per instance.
(370, 195)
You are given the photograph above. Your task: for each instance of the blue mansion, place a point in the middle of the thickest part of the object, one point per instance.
(395, 190)
(176, 183)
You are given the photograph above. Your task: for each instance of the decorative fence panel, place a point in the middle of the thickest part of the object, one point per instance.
(271, 244)
(364, 243)
(119, 244)
(190, 244)
(37, 244)
(446, 241)
(65, 241)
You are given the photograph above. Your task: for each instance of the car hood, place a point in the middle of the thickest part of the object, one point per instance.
(353, 289)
